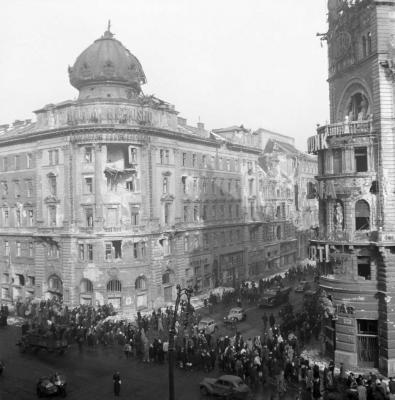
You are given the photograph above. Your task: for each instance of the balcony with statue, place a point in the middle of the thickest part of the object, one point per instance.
(354, 119)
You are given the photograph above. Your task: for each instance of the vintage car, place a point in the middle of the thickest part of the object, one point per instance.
(303, 285)
(51, 386)
(236, 314)
(275, 298)
(207, 325)
(226, 387)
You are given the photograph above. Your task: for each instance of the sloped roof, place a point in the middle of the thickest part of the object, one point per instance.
(18, 128)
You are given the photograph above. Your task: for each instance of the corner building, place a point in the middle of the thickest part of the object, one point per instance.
(114, 198)
(355, 244)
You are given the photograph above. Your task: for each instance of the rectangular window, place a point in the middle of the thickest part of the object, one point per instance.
(90, 251)
(18, 249)
(204, 161)
(81, 252)
(112, 216)
(135, 215)
(29, 160)
(135, 250)
(18, 217)
(108, 251)
(337, 161)
(193, 160)
(4, 188)
(196, 213)
(167, 213)
(52, 215)
(88, 185)
(204, 214)
(143, 248)
(117, 246)
(52, 184)
(185, 213)
(130, 185)
(88, 156)
(17, 189)
(204, 185)
(250, 187)
(184, 159)
(195, 185)
(29, 188)
(31, 281)
(132, 155)
(30, 218)
(237, 210)
(89, 217)
(5, 164)
(162, 156)
(17, 162)
(165, 185)
(205, 240)
(53, 156)
(184, 184)
(361, 159)
(230, 211)
(31, 249)
(364, 269)
(6, 248)
(6, 218)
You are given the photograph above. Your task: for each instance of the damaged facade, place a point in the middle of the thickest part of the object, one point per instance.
(355, 244)
(114, 198)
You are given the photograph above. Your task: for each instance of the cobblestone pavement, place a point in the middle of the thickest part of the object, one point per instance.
(89, 373)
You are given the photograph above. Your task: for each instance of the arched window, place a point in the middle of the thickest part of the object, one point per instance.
(86, 286)
(141, 283)
(362, 215)
(55, 283)
(114, 286)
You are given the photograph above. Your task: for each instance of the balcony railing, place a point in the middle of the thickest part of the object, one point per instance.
(318, 142)
(343, 236)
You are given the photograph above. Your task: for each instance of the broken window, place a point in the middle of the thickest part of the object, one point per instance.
(113, 250)
(361, 159)
(364, 269)
(362, 215)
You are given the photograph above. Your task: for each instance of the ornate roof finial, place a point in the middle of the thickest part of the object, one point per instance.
(107, 33)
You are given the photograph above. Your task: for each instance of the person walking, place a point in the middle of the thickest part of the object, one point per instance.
(117, 383)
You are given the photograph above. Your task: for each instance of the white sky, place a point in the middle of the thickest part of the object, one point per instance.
(252, 62)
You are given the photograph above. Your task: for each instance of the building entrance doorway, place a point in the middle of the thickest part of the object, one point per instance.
(367, 343)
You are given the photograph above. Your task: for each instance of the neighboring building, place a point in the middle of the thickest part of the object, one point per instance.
(355, 246)
(113, 198)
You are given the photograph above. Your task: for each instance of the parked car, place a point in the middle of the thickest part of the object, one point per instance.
(226, 387)
(303, 285)
(236, 314)
(51, 386)
(273, 299)
(207, 325)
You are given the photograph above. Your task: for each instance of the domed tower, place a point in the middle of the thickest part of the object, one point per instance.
(107, 69)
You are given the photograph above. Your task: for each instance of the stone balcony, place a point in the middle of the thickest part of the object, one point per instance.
(318, 142)
(346, 237)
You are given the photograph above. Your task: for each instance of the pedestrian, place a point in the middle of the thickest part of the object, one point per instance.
(264, 319)
(117, 383)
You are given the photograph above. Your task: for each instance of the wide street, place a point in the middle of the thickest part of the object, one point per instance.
(89, 373)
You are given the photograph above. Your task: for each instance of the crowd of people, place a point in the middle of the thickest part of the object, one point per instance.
(270, 358)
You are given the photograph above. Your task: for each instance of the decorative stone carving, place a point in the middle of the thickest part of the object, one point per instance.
(338, 216)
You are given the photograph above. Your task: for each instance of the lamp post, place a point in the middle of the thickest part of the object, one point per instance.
(172, 331)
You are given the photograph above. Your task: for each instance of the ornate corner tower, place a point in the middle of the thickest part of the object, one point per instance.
(355, 246)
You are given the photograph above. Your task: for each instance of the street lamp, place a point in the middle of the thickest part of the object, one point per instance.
(180, 292)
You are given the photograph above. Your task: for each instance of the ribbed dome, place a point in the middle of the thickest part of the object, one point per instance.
(107, 61)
